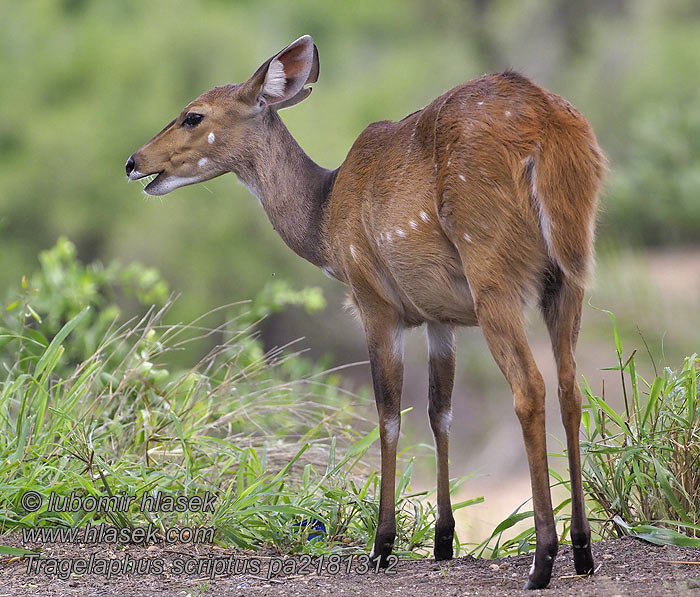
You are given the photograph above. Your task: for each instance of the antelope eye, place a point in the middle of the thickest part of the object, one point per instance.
(192, 119)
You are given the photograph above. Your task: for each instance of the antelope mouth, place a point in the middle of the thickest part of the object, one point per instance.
(149, 181)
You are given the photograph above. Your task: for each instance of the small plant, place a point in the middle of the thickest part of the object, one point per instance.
(641, 466)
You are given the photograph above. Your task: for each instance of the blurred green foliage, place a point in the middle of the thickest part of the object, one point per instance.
(84, 84)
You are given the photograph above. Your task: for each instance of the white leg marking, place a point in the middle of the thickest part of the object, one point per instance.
(391, 429)
(441, 339)
(397, 342)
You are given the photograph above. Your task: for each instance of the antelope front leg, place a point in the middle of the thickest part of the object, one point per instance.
(441, 346)
(385, 344)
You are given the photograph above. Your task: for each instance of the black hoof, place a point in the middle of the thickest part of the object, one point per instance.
(541, 571)
(443, 547)
(382, 551)
(532, 584)
(583, 559)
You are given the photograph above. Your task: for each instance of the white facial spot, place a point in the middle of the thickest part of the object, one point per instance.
(400, 232)
(211, 138)
(461, 177)
(203, 162)
(507, 113)
(413, 224)
(353, 252)
(424, 216)
(467, 237)
(391, 430)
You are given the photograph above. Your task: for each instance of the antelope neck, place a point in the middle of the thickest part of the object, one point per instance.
(293, 189)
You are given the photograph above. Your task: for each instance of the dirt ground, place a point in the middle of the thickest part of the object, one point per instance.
(625, 567)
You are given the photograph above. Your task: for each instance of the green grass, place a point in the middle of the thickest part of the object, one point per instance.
(89, 405)
(281, 453)
(641, 465)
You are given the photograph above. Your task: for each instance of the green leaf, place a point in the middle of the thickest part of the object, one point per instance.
(53, 349)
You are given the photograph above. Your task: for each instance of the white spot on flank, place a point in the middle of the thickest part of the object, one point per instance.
(388, 237)
(467, 237)
(353, 252)
(413, 224)
(400, 232)
(211, 138)
(481, 103)
(461, 177)
(275, 79)
(507, 112)
(424, 216)
(202, 162)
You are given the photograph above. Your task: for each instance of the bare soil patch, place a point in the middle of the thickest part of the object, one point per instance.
(626, 567)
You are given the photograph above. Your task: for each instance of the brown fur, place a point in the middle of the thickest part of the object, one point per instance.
(455, 215)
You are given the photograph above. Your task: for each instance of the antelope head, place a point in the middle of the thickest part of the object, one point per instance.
(223, 128)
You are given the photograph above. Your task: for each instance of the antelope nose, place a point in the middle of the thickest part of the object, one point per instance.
(130, 165)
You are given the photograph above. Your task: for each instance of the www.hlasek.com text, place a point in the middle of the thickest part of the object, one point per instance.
(105, 533)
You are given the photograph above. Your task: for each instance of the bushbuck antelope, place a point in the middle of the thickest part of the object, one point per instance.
(455, 215)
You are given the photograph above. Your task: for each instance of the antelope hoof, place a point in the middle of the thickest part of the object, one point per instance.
(539, 578)
(381, 550)
(583, 559)
(541, 569)
(443, 547)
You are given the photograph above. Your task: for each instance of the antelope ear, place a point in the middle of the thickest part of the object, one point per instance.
(280, 81)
